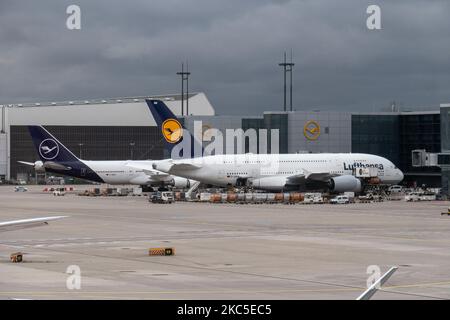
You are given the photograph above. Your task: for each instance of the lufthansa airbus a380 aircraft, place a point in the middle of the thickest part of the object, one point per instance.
(275, 172)
(56, 158)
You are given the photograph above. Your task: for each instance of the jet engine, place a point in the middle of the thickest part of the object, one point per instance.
(181, 183)
(345, 183)
(270, 183)
(39, 166)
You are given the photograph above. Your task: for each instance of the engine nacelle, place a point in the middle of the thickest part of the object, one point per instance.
(181, 183)
(39, 166)
(345, 183)
(270, 183)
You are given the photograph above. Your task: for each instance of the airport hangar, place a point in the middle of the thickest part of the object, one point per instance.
(119, 129)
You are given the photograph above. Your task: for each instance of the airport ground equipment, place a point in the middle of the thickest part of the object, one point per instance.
(161, 197)
(420, 196)
(59, 192)
(313, 198)
(161, 252)
(16, 257)
(446, 213)
(192, 189)
(370, 197)
(340, 200)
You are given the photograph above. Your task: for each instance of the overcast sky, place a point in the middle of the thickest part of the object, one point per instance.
(129, 48)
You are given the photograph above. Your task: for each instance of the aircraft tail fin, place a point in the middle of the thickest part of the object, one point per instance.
(173, 132)
(48, 147)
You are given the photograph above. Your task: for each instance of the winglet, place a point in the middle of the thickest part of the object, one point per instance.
(366, 295)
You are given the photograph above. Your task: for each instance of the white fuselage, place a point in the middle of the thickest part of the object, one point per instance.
(223, 170)
(120, 172)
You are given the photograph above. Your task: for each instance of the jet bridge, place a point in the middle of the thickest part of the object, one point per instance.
(421, 158)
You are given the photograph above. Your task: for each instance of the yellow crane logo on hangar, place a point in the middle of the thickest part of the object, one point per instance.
(172, 130)
(311, 130)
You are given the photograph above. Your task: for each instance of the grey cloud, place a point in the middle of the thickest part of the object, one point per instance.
(233, 48)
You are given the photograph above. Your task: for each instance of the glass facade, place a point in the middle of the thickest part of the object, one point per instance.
(395, 136)
(376, 134)
(420, 131)
(277, 121)
(89, 143)
(445, 147)
(445, 129)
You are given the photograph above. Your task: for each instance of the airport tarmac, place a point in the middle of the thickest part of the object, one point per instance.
(223, 251)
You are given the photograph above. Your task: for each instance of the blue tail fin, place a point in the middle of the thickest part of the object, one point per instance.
(57, 158)
(173, 132)
(48, 147)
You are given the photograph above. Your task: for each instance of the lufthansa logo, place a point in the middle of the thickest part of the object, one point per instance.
(48, 149)
(172, 130)
(311, 130)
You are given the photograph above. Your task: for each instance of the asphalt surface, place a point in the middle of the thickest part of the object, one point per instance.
(223, 251)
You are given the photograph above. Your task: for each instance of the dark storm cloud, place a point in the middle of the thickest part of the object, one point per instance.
(233, 47)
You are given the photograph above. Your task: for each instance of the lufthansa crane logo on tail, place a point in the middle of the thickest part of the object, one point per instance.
(311, 130)
(49, 149)
(172, 130)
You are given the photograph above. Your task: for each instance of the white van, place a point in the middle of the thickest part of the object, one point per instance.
(313, 198)
(395, 188)
(340, 200)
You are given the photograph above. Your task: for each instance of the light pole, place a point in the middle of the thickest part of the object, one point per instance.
(287, 66)
(184, 77)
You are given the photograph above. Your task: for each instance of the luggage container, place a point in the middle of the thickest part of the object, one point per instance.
(232, 197)
(224, 197)
(295, 197)
(279, 197)
(215, 197)
(137, 191)
(240, 197)
(270, 197)
(248, 197)
(205, 196)
(259, 197)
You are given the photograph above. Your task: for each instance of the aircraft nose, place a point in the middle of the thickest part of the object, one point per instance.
(400, 174)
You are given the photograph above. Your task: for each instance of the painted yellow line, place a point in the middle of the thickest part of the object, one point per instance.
(430, 284)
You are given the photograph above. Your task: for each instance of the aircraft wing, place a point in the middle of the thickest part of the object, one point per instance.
(26, 223)
(174, 167)
(306, 175)
(27, 163)
(148, 170)
(319, 176)
(297, 179)
(185, 166)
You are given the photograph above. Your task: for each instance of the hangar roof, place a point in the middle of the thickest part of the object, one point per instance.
(128, 111)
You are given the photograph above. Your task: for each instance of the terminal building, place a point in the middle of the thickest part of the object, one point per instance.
(393, 135)
(120, 129)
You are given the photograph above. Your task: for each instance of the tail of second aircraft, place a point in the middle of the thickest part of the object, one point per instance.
(177, 139)
(49, 148)
(57, 158)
